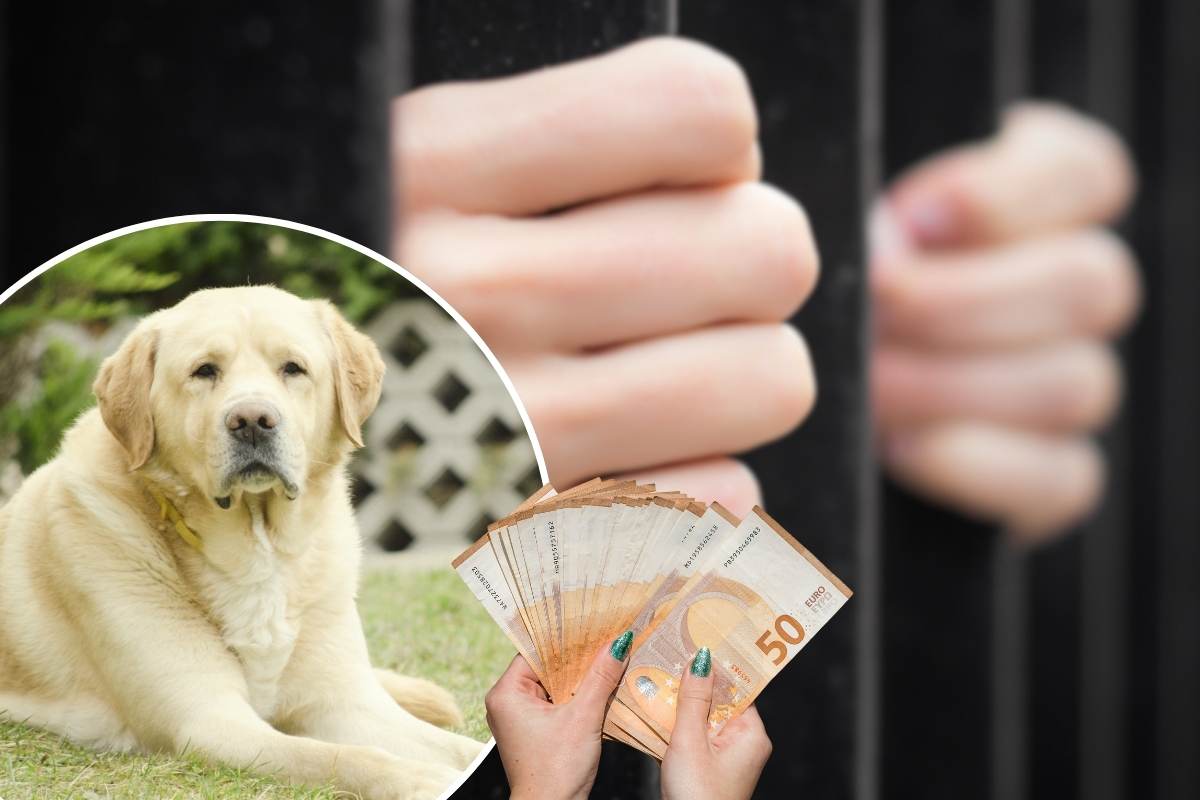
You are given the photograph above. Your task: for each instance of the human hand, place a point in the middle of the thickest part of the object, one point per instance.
(551, 752)
(995, 294)
(601, 226)
(698, 764)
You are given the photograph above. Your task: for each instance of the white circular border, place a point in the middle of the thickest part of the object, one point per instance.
(369, 253)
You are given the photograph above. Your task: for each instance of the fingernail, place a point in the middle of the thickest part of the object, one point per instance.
(620, 646)
(931, 220)
(702, 663)
(898, 448)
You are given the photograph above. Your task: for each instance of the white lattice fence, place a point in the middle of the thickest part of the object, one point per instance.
(446, 449)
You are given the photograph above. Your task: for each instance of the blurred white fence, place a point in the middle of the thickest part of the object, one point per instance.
(446, 449)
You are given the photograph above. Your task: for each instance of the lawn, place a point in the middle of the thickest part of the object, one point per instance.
(419, 623)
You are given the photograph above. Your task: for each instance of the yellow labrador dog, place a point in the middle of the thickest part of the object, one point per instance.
(182, 576)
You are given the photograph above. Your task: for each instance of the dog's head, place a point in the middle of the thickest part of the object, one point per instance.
(241, 389)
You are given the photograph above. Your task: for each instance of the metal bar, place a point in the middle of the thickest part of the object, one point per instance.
(132, 112)
(1060, 46)
(1178, 325)
(939, 569)
(1145, 403)
(1010, 605)
(473, 39)
(1104, 684)
(814, 69)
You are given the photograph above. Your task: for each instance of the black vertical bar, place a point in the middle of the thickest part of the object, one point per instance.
(474, 39)
(1177, 327)
(815, 72)
(1011, 580)
(119, 113)
(1147, 370)
(1079, 705)
(1060, 39)
(939, 569)
(1105, 684)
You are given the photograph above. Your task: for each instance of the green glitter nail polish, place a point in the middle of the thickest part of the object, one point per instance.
(620, 645)
(702, 663)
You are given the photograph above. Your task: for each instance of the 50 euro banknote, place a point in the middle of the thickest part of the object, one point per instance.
(755, 602)
(566, 573)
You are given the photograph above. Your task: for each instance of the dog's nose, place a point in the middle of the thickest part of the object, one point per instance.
(252, 421)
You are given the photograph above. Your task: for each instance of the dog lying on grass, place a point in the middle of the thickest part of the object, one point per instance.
(182, 576)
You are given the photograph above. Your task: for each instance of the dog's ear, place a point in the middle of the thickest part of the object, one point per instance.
(357, 371)
(123, 390)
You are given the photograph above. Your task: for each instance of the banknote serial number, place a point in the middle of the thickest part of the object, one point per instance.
(487, 587)
(787, 629)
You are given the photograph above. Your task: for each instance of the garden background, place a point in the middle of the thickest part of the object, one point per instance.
(446, 452)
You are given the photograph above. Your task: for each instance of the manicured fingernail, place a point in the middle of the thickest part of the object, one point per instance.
(702, 663)
(620, 646)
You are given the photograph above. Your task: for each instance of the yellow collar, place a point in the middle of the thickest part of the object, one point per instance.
(167, 511)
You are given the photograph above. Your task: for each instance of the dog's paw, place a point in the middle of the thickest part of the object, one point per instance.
(444, 747)
(405, 779)
(423, 699)
(464, 750)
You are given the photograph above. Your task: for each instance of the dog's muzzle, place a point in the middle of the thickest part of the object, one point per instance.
(254, 426)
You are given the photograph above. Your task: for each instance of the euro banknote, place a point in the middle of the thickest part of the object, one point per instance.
(568, 572)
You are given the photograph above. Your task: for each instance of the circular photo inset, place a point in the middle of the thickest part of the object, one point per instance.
(236, 459)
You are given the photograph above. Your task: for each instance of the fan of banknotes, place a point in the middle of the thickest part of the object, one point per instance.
(567, 573)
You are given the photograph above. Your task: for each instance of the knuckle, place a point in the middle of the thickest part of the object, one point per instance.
(763, 744)
(1102, 159)
(607, 672)
(1113, 166)
(739, 485)
(778, 230)
(1073, 490)
(1108, 284)
(794, 385)
(916, 307)
(494, 703)
(696, 78)
(420, 144)
(1085, 394)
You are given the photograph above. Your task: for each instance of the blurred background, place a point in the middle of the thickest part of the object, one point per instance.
(964, 667)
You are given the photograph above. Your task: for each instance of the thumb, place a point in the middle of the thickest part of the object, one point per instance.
(694, 701)
(1048, 169)
(603, 676)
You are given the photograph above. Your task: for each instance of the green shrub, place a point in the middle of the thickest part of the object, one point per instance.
(36, 427)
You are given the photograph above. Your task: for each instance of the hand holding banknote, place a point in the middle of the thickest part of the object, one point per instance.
(671, 578)
(551, 752)
(724, 766)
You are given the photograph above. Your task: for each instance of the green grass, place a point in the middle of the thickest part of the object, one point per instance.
(418, 623)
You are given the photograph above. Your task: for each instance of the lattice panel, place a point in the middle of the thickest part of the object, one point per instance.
(446, 451)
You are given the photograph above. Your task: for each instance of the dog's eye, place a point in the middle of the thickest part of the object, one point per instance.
(292, 368)
(205, 371)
